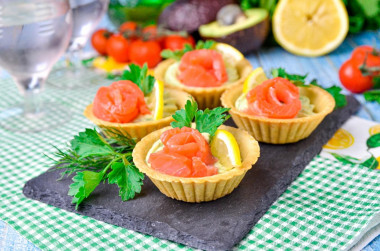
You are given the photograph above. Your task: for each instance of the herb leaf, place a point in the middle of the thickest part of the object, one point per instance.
(90, 156)
(298, 80)
(90, 143)
(177, 55)
(84, 184)
(139, 76)
(340, 99)
(184, 117)
(206, 121)
(209, 120)
(372, 96)
(128, 178)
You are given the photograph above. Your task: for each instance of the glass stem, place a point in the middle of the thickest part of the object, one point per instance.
(31, 88)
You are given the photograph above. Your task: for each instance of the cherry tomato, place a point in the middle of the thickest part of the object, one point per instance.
(150, 32)
(352, 78)
(118, 48)
(177, 42)
(145, 52)
(128, 26)
(373, 56)
(99, 41)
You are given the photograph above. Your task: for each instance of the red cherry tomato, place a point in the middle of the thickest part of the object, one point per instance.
(176, 42)
(99, 41)
(145, 52)
(373, 56)
(128, 26)
(352, 78)
(150, 32)
(118, 48)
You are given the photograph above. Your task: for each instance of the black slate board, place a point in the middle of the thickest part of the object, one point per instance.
(215, 225)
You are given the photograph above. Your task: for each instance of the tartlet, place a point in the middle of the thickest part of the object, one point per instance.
(138, 130)
(281, 131)
(199, 189)
(206, 97)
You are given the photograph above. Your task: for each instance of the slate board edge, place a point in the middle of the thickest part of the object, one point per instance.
(179, 237)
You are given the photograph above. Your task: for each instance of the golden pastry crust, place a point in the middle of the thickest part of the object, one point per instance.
(281, 131)
(206, 97)
(204, 188)
(139, 129)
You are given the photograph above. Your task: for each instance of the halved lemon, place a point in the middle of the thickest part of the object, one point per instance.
(255, 78)
(226, 149)
(158, 100)
(310, 27)
(342, 139)
(230, 53)
(108, 64)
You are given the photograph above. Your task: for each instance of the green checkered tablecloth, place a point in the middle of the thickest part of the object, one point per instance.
(327, 207)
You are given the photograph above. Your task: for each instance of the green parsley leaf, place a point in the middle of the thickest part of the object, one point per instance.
(184, 117)
(177, 55)
(90, 156)
(139, 76)
(84, 184)
(340, 99)
(208, 121)
(128, 178)
(298, 80)
(88, 62)
(372, 96)
(89, 143)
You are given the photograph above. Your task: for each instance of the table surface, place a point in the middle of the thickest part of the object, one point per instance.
(324, 69)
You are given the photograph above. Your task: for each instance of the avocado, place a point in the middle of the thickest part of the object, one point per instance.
(188, 15)
(246, 35)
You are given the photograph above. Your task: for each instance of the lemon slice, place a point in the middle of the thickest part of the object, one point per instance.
(158, 100)
(255, 78)
(226, 149)
(108, 64)
(230, 54)
(310, 27)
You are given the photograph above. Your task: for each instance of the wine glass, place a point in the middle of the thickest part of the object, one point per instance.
(33, 36)
(86, 14)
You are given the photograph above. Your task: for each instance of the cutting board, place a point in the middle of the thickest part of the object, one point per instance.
(216, 225)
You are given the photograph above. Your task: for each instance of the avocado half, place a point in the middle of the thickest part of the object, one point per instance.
(246, 36)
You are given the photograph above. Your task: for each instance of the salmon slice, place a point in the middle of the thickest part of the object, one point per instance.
(274, 98)
(121, 102)
(202, 68)
(186, 153)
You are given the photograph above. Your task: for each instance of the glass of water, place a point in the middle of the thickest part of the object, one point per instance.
(33, 36)
(87, 15)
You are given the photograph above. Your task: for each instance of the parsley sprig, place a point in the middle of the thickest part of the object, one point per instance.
(139, 76)
(206, 120)
(177, 55)
(300, 80)
(95, 159)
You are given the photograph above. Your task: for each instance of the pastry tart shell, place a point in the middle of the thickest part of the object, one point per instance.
(208, 97)
(202, 188)
(281, 131)
(137, 130)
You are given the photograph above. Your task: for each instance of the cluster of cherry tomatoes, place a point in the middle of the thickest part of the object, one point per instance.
(357, 74)
(136, 44)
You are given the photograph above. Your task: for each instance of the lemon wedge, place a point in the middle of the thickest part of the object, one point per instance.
(255, 78)
(108, 64)
(230, 53)
(226, 149)
(310, 27)
(342, 139)
(158, 100)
